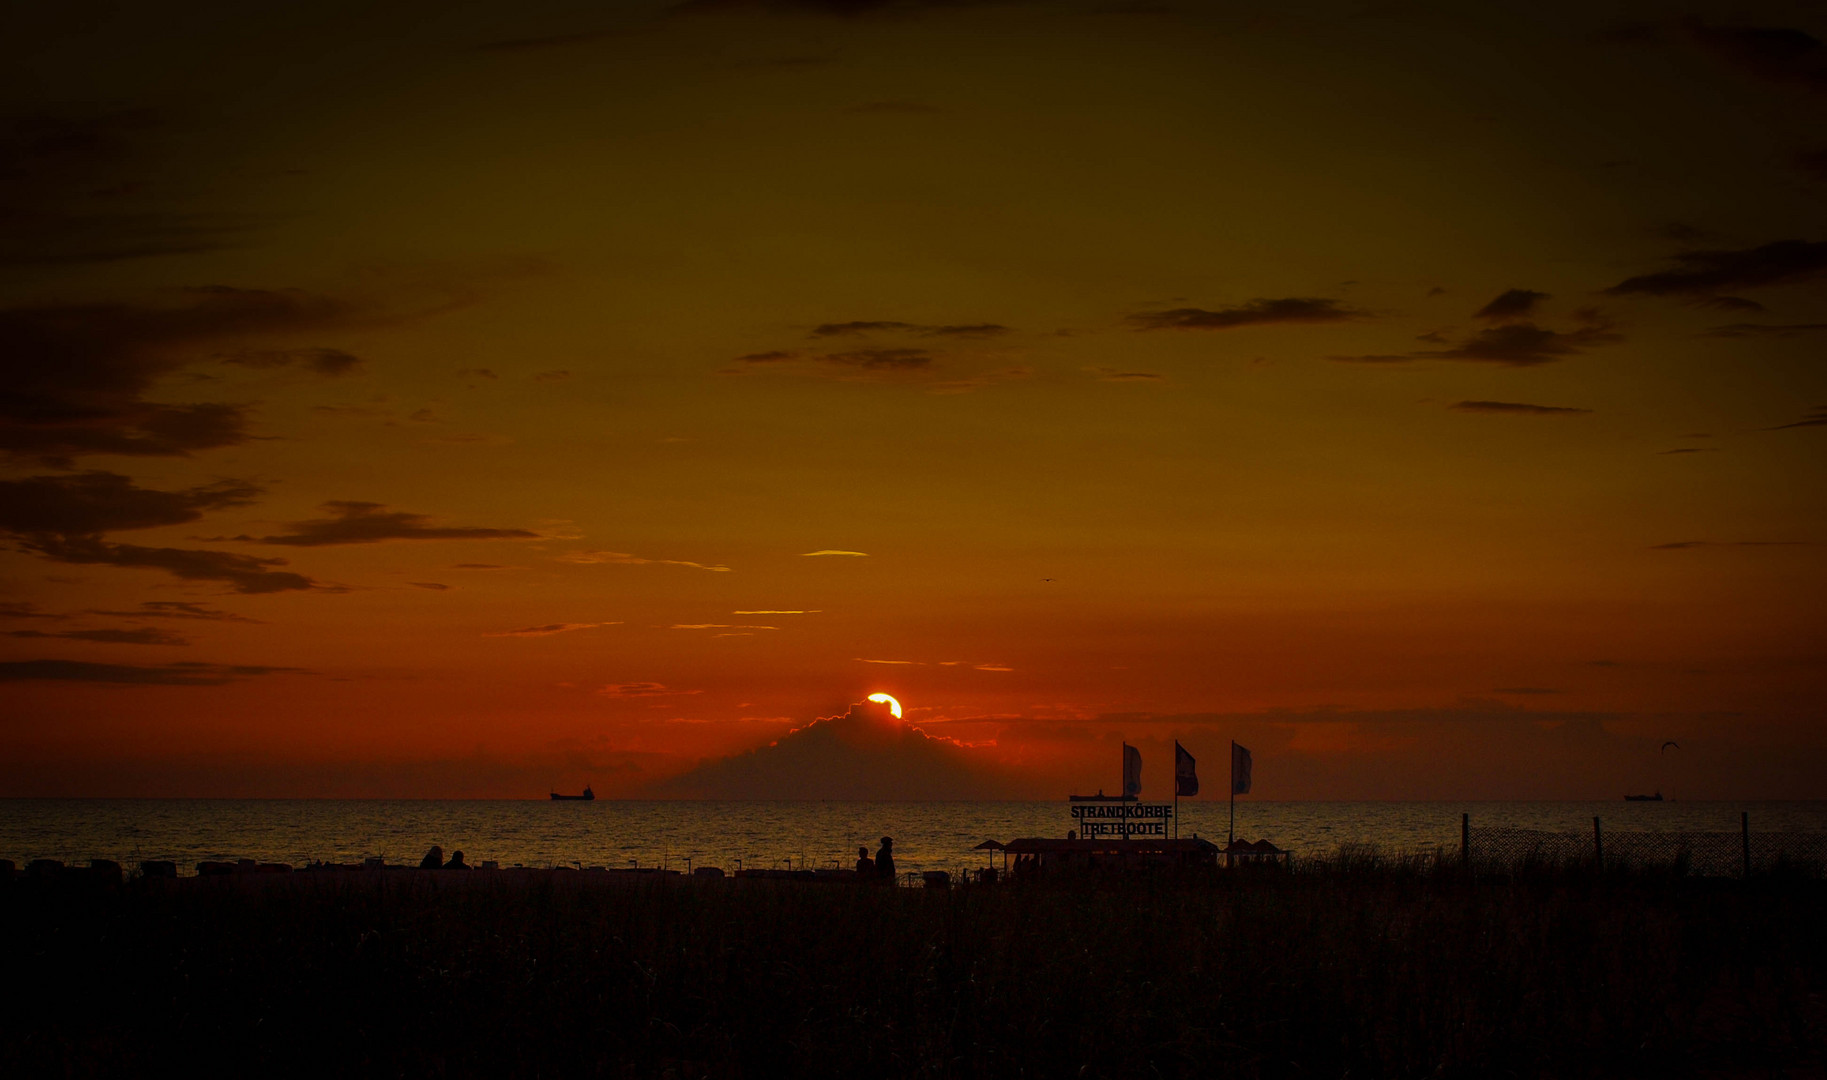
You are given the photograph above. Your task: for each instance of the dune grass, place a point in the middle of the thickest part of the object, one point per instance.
(1364, 966)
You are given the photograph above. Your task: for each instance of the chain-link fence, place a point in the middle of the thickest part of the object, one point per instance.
(1700, 854)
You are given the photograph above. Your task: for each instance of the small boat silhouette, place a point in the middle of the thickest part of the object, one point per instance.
(1657, 797)
(587, 796)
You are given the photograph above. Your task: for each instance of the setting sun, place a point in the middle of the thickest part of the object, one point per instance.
(893, 705)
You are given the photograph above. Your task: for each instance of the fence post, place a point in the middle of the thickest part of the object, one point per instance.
(1744, 826)
(1465, 840)
(1598, 844)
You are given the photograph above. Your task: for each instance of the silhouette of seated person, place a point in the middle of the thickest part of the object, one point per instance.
(865, 867)
(456, 862)
(433, 860)
(884, 861)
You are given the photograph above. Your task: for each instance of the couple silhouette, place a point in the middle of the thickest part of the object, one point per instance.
(879, 869)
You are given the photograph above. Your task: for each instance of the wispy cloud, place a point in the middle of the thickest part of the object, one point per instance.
(1700, 273)
(243, 573)
(865, 660)
(353, 522)
(180, 674)
(1511, 304)
(80, 377)
(881, 359)
(772, 611)
(859, 326)
(144, 635)
(1816, 417)
(1292, 309)
(1745, 330)
(320, 360)
(642, 689)
(1517, 408)
(23, 609)
(548, 629)
(718, 626)
(62, 518)
(622, 558)
(1781, 54)
(1513, 344)
(1525, 344)
(977, 382)
(870, 326)
(1108, 374)
(832, 551)
(175, 609)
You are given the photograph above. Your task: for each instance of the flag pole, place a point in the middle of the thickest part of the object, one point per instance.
(1231, 833)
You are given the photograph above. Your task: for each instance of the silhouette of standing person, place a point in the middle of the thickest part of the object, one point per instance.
(864, 868)
(884, 860)
(433, 860)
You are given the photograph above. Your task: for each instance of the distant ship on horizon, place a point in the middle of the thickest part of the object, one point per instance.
(1657, 797)
(587, 796)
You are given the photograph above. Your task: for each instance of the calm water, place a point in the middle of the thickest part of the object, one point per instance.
(752, 834)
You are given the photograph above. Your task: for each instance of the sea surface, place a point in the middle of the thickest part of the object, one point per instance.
(734, 835)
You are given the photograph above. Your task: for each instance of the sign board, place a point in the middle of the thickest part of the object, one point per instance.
(1122, 820)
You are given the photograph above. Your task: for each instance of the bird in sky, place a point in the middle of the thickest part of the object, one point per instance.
(1670, 743)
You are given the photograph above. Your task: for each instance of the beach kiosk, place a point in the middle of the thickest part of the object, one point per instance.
(1037, 858)
(1260, 853)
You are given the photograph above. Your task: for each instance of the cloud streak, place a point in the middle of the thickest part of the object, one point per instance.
(67, 199)
(1517, 408)
(1293, 309)
(74, 379)
(1753, 330)
(869, 326)
(1704, 273)
(622, 558)
(1780, 54)
(175, 609)
(1816, 417)
(1511, 304)
(320, 360)
(62, 518)
(181, 674)
(1513, 344)
(145, 635)
(368, 523)
(548, 629)
(243, 573)
(643, 689)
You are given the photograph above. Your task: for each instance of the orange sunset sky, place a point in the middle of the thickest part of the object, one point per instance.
(464, 400)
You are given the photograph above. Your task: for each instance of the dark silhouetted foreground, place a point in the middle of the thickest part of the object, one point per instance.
(1361, 967)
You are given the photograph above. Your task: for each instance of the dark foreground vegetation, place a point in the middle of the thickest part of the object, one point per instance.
(1354, 968)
